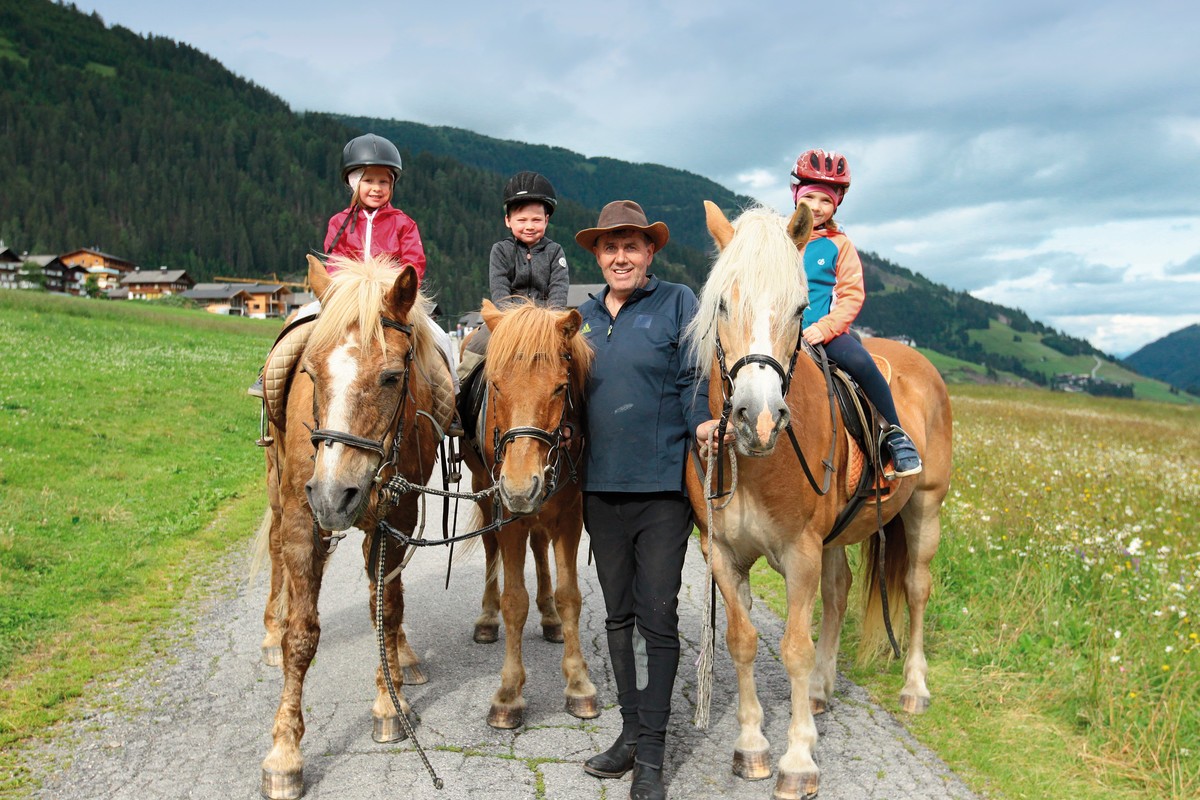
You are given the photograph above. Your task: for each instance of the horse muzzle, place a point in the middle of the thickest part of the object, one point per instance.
(522, 497)
(757, 420)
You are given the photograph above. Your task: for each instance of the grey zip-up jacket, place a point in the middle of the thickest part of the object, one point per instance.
(538, 272)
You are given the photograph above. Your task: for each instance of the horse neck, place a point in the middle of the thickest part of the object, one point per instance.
(808, 398)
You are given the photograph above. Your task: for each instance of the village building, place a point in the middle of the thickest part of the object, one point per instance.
(151, 284)
(104, 270)
(220, 298)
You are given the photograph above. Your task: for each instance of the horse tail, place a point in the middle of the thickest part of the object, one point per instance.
(261, 553)
(473, 520)
(874, 636)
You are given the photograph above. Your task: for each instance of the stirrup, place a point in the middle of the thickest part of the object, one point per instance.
(905, 458)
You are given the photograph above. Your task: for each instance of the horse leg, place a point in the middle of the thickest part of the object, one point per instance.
(751, 750)
(276, 608)
(835, 588)
(487, 626)
(275, 612)
(552, 624)
(799, 776)
(282, 769)
(385, 717)
(508, 703)
(580, 691)
(414, 673)
(922, 531)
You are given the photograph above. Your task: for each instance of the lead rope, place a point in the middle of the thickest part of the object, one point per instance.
(387, 672)
(706, 661)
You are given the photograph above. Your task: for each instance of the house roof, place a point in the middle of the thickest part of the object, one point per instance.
(155, 276)
(95, 252)
(214, 291)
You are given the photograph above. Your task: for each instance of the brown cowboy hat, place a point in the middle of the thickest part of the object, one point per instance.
(624, 214)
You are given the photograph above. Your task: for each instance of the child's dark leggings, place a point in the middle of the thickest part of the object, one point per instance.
(851, 356)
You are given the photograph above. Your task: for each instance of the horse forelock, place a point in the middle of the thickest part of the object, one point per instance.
(528, 335)
(355, 301)
(760, 271)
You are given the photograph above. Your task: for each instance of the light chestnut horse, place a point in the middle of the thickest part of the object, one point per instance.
(536, 368)
(754, 300)
(367, 370)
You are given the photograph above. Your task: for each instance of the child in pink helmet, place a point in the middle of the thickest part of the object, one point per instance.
(836, 293)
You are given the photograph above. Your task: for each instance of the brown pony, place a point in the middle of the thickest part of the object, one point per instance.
(753, 301)
(367, 370)
(536, 368)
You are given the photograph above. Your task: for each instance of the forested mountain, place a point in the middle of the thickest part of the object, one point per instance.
(1175, 358)
(152, 151)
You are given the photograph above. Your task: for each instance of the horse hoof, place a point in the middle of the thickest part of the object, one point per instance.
(486, 634)
(272, 655)
(817, 706)
(390, 729)
(552, 633)
(914, 704)
(752, 766)
(506, 718)
(282, 785)
(796, 786)
(583, 707)
(415, 675)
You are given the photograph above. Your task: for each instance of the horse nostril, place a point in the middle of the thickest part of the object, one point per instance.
(350, 498)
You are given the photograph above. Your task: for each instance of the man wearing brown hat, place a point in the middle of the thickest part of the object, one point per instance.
(644, 402)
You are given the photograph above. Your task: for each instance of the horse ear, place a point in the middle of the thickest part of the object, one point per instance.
(569, 324)
(800, 225)
(718, 225)
(318, 278)
(404, 292)
(491, 315)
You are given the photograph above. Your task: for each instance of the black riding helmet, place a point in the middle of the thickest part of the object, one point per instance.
(525, 187)
(370, 150)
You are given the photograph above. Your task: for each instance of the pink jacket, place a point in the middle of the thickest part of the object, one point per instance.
(389, 230)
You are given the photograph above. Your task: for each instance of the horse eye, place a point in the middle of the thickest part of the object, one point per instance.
(722, 309)
(800, 309)
(389, 378)
(562, 387)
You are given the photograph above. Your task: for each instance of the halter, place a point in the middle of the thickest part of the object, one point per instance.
(558, 454)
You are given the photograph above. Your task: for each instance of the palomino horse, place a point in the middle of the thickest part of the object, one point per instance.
(536, 368)
(750, 313)
(368, 368)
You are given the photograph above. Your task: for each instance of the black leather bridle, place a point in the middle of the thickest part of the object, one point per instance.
(558, 457)
(785, 378)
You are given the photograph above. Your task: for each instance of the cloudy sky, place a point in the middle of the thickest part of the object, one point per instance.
(1044, 155)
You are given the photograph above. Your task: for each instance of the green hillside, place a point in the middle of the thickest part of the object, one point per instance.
(170, 159)
(1175, 358)
(591, 182)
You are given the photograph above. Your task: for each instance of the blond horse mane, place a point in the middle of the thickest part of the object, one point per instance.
(528, 334)
(355, 298)
(760, 271)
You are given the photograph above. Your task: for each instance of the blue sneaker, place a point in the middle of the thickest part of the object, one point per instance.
(905, 458)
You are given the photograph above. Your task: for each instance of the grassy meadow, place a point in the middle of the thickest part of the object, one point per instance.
(1063, 650)
(1063, 629)
(127, 466)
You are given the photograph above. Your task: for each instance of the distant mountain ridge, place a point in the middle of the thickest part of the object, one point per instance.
(153, 151)
(1175, 358)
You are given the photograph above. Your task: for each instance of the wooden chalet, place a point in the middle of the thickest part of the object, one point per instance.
(151, 284)
(220, 298)
(105, 268)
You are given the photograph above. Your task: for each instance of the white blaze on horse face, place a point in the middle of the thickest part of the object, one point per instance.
(758, 387)
(342, 369)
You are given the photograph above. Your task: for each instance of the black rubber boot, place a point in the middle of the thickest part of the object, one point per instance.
(647, 783)
(613, 762)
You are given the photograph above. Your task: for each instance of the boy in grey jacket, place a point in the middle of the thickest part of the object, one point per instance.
(526, 263)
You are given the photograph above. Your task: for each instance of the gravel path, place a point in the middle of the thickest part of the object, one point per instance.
(198, 725)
